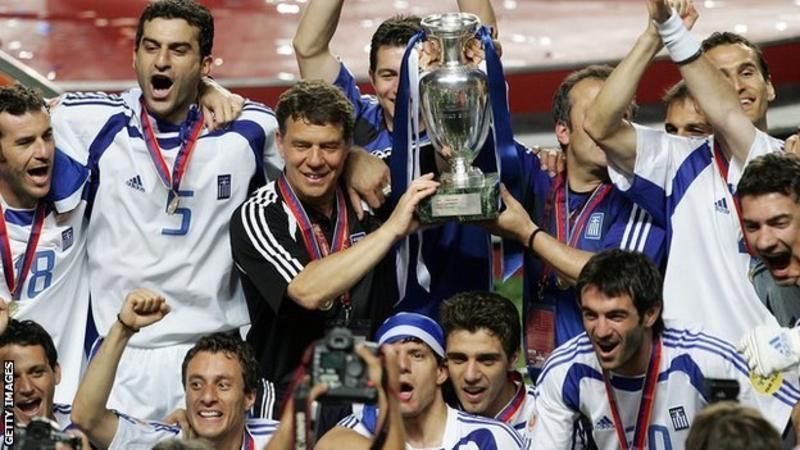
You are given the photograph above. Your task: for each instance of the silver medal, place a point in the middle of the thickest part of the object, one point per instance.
(173, 204)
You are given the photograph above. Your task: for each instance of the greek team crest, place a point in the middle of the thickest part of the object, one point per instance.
(594, 226)
(223, 186)
(67, 238)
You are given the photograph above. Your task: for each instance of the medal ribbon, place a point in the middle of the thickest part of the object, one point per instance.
(645, 404)
(559, 202)
(516, 402)
(15, 283)
(249, 442)
(173, 181)
(722, 165)
(315, 242)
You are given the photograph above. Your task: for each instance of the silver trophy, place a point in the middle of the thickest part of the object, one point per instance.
(454, 101)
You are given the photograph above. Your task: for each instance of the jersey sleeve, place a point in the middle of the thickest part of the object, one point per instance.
(68, 181)
(135, 433)
(81, 120)
(634, 230)
(258, 125)
(664, 164)
(264, 249)
(347, 83)
(552, 422)
(360, 421)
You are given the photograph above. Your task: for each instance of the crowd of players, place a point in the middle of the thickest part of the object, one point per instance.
(143, 234)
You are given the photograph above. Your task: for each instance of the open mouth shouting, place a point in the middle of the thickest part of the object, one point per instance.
(778, 264)
(39, 174)
(160, 86)
(473, 394)
(30, 407)
(406, 392)
(606, 350)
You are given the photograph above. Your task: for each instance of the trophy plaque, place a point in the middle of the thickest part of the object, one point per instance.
(454, 99)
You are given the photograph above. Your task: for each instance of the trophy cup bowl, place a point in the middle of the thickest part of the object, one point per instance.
(454, 101)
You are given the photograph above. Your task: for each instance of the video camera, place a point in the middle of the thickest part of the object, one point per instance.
(336, 364)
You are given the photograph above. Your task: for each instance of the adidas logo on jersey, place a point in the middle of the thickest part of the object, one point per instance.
(135, 183)
(604, 424)
(721, 206)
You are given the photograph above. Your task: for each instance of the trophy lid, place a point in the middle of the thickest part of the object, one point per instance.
(451, 24)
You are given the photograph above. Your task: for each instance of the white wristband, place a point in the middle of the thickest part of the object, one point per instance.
(682, 46)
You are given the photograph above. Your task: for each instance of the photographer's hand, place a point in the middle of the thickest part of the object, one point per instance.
(283, 439)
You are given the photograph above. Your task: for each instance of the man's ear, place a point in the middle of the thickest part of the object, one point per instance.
(57, 373)
(279, 144)
(562, 133)
(205, 65)
(651, 315)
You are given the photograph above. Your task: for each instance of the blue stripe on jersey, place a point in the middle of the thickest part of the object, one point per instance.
(21, 218)
(68, 177)
(651, 197)
(690, 168)
(95, 102)
(252, 132)
(685, 364)
(686, 339)
(98, 146)
(488, 424)
(369, 418)
(570, 390)
(579, 346)
(62, 408)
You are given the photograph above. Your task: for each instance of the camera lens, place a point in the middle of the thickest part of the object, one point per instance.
(354, 368)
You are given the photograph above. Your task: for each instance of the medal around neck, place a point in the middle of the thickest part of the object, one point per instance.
(454, 98)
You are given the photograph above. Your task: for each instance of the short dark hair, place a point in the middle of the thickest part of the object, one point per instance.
(231, 345)
(731, 426)
(678, 91)
(318, 103)
(562, 105)
(19, 99)
(616, 272)
(727, 38)
(393, 32)
(192, 12)
(772, 173)
(26, 333)
(472, 311)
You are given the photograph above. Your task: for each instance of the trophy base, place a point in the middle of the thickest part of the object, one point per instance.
(461, 203)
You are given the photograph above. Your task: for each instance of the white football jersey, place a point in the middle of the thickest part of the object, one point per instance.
(462, 431)
(572, 383)
(135, 434)
(55, 293)
(678, 182)
(134, 241)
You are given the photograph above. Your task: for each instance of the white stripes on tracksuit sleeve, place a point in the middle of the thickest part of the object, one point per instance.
(636, 230)
(254, 222)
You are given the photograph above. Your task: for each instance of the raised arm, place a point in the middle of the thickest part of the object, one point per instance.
(605, 120)
(342, 270)
(312, 38)
(89, 411)
(712, 92)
